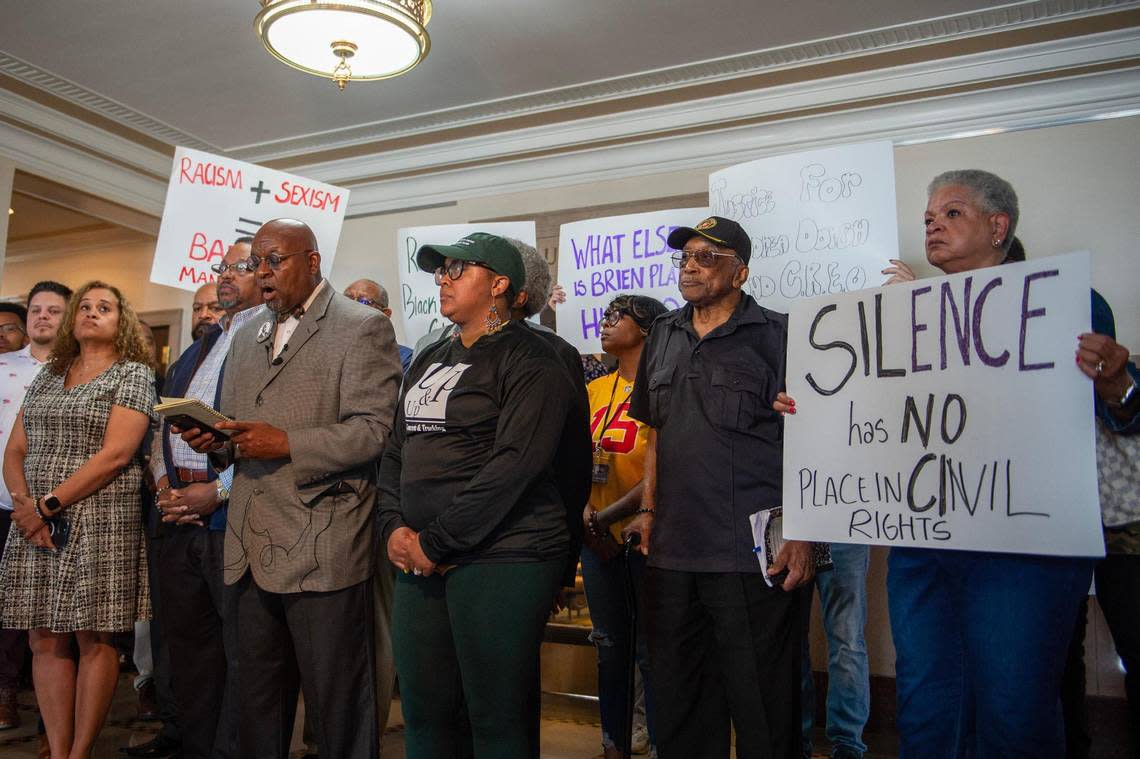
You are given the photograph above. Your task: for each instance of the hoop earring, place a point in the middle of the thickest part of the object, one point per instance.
(492, 321)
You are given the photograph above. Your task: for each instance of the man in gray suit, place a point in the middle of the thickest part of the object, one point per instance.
(312, 390)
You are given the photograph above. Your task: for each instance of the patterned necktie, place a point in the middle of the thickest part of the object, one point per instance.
(297, 312)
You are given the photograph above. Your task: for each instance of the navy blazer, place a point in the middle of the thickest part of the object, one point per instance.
(178, 378)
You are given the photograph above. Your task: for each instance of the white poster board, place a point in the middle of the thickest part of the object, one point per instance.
(599, 259)
(419, 295)
(946, 413)
(212, 200)
(823, 221)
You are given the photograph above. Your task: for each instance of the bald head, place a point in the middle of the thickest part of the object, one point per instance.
(371, 294)
(287, 283)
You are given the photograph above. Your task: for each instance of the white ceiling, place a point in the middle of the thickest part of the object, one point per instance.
(197, 66)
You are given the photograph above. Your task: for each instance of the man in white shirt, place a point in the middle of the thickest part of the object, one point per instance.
(47, 302)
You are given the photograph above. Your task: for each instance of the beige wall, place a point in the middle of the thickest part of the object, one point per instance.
(127, 267)
(1078, 186)
(7, 173)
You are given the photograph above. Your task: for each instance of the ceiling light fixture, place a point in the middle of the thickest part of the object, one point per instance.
(347, 40)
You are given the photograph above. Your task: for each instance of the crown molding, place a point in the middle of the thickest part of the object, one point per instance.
(68, 90)
(1012, 16)
(73, 243)
(984, 112)
(74, 166)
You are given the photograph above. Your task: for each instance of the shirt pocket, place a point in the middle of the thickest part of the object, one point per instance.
(660, 395)
(743, 394)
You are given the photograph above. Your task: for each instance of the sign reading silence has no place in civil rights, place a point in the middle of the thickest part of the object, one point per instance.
(822, 221)
(599, 259)
(946, 413)
(213, 200)
(419, 295)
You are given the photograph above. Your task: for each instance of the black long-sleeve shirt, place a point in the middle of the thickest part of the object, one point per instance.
(470, 461)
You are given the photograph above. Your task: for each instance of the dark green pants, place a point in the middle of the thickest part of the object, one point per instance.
(469, 641)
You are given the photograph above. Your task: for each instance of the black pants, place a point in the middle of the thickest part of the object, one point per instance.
(1118, 590)
(320, 641)
(202, 643)
(724, 645)
(13, 643)
(168, 711)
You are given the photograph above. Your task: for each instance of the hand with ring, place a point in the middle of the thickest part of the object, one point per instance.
(1104, 361)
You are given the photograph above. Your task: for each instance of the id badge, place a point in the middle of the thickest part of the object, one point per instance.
(600, 473)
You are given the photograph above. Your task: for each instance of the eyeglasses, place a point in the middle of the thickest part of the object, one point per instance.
(454, 270)
(11, 329)
(244, 266)
(612, 317)
(705, 258)
(273, 259)
(365, 300)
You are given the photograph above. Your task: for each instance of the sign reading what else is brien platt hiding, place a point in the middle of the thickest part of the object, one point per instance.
(212, 200)
(946, 413)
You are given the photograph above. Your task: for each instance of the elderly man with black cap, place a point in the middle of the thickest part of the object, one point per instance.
(470, 511)
(722, 643)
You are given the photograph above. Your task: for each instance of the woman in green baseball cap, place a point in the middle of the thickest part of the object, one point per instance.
(471, 514)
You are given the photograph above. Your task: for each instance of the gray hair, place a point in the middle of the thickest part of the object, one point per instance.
(538, 282)
(992, 194)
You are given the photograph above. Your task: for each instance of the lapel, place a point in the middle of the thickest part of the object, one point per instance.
(310, 324)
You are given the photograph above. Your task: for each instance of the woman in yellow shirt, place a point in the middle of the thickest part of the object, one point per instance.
(619, 457)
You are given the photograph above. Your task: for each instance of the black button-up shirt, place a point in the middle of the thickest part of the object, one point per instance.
(719, 447)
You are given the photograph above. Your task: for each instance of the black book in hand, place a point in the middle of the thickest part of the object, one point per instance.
(187, 413)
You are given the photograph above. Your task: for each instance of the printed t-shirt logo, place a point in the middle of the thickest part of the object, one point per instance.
(425, 405)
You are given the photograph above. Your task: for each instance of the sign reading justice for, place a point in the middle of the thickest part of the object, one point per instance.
(212, 200)
(946, 413)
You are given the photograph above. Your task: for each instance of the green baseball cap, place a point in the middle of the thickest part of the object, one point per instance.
(498, 254)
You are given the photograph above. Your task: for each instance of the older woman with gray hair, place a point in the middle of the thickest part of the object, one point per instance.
(981, 638)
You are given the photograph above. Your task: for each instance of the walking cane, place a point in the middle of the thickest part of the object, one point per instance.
(631, 604)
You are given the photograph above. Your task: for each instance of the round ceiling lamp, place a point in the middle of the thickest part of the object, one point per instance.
(348, 40)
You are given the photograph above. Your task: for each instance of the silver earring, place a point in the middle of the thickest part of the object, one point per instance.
(997, 243)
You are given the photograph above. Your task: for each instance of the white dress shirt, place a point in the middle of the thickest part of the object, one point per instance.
(286, 328)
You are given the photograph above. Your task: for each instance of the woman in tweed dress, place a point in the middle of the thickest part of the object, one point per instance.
(71, 458)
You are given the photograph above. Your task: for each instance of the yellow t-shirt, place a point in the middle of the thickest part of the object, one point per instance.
(623, 437)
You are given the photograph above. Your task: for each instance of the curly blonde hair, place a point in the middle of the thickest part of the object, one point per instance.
(129, 343)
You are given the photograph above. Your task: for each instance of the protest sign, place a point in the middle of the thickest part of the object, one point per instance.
(212, 200)
(946, 413)
(601, 258)
(419, 295)
(823, 221)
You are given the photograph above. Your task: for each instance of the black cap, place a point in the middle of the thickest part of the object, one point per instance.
(724, 232)
(499, 255)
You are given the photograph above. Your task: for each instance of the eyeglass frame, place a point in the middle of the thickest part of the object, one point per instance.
(223, 267)
(11, 327)
(256, 259)
(608, 315)
(703, 257)
(366, 301)
(461, 263)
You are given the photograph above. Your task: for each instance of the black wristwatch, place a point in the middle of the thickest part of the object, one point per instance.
(52, 504)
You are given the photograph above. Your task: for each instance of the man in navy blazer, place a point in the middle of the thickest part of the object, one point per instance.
(198, 610)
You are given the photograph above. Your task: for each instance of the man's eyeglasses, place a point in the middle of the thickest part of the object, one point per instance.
(273, 259)
(705, 258)
(454, 270)
(366, 301)
(244, 266)
(11, 329)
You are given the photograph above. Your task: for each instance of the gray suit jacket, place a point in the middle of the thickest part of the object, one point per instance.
(305, 523)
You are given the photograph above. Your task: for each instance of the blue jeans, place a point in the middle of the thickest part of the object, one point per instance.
(609, 612)
(843, 598)
(981, 640)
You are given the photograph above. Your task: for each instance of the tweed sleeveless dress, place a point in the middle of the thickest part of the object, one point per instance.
(98, 581)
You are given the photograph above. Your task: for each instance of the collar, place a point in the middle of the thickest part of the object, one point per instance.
(748, 311)
(241, 317)
(26, 352)
(300, 310)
